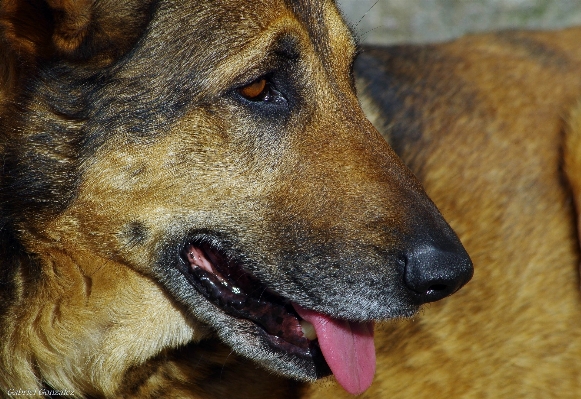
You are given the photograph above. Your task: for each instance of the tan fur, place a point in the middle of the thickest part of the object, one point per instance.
(485, 117)
(572, 158)
(125, 141)
(73, 18)
(479, 120)
(84, 310)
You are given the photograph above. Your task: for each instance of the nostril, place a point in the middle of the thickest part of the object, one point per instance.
(437, 287)
(432, 273)
(427, 291)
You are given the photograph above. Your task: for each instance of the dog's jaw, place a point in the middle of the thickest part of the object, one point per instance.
(263, 306)
(241, 296)
(348, 347)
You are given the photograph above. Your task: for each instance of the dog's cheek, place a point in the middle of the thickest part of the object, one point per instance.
(133, 197)
(95, 307)
(106, 242)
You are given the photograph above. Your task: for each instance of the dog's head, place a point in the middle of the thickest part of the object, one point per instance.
(218, 148)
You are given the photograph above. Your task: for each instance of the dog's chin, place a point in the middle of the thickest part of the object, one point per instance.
(249, 340)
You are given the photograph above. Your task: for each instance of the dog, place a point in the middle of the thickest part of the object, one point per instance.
(192, 201)
(490, 125)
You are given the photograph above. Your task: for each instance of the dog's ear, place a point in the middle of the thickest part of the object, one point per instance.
(93, 32)
(43, 28)
(70, 23)
(76, 30)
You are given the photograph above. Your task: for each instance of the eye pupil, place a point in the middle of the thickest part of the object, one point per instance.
(255, 90)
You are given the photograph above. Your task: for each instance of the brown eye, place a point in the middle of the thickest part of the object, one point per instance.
(255, 91)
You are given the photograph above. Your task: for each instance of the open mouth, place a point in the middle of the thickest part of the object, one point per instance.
(343, 348)
(240, 295)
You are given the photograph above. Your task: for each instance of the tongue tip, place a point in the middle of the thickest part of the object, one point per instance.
(357, 388)
(359, 378)
(355, 391)
(347, 347)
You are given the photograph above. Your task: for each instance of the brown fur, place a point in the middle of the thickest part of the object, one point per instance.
(125, 140)
(572, 159)
(481, 121)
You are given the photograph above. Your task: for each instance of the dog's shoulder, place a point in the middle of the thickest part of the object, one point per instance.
(415, 94)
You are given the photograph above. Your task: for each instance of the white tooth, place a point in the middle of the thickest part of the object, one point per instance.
(308, 330)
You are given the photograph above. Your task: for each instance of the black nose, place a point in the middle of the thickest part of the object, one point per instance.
(432, 273)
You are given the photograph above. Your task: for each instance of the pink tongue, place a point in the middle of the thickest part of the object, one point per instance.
(348, 348)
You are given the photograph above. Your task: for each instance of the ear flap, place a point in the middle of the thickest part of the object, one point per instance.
(74, 30)
(71, 23)
(43, 28)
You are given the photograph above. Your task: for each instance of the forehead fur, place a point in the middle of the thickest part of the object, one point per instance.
(211, 50)
(203, 38)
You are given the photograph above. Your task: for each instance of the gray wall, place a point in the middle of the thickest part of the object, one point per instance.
(394, 21)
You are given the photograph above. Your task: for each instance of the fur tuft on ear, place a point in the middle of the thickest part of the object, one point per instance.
(71, 23)
(34, 29)
(89, 31)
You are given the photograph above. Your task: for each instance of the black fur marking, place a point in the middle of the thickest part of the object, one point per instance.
(544, 54)
(10, 250)
(389, 94)
(407, 87)
(135, 233)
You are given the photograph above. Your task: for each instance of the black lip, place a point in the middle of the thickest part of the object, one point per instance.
(242, 296)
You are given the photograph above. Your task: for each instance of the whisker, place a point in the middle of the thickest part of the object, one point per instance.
(367, 12)
(224, 364)
(369, 31)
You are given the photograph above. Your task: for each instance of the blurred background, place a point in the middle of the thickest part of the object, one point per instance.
(397, 21)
